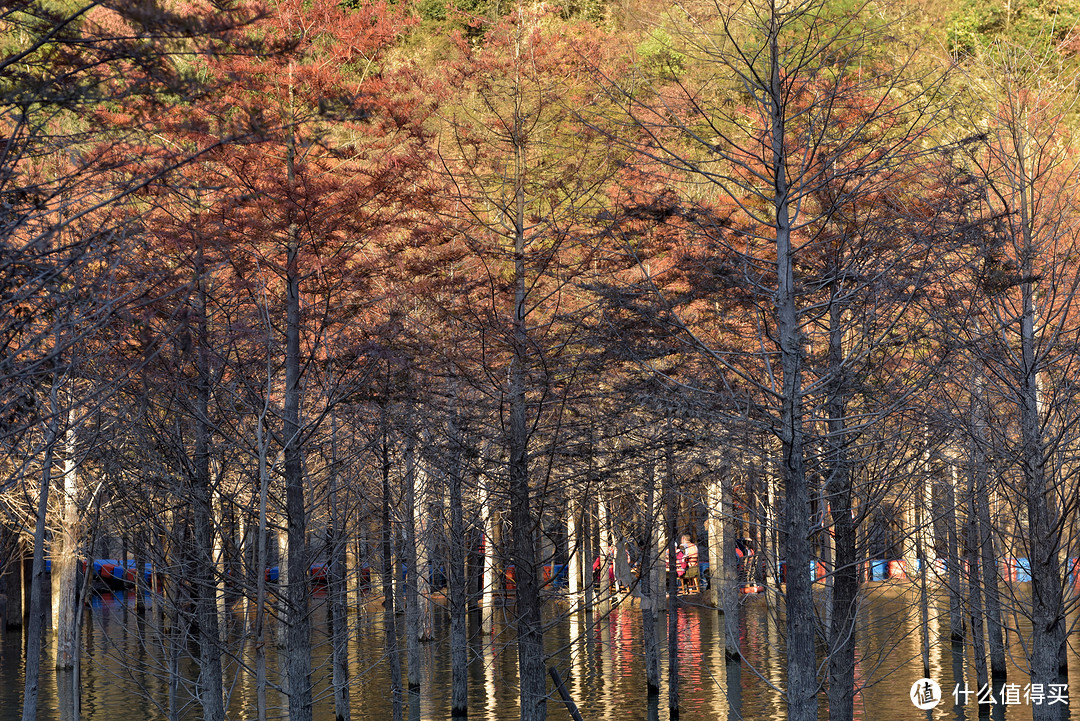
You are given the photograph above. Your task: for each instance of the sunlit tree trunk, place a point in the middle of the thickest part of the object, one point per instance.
(65, 556)
(573, 545)
(603, 525)
(488, 578)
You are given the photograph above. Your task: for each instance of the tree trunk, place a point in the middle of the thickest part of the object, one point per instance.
(209, 684)
(801, 665)
(414, 570)
(530, 629)
(924, 598)
(261, 560)
(714, 521)
(459, 640)
(393, 654)
(298, 630)
(35, 624)
(65, 557)
(991, 594)
(650, 591)
(573, 546)
(974, 572)
(339, 624)
(728, 562)
(845, 583)
(1048, 622)
(487, 593)
(603, 591)
(984, 532)
(672, 576)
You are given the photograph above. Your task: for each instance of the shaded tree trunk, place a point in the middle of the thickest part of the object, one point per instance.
(413, 568)
(210, 690)
(339, 624)
(298, 626)
(956, 608)
(459, 641)
(530, 629)
(650, 591)
(35, 622)
(672, 576)
(393, 654)
(845, 584)
(729, 576)
(974, 570)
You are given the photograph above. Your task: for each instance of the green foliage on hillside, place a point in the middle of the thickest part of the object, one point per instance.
(977, 23)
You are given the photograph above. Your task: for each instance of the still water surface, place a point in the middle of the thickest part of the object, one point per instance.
(602, 662)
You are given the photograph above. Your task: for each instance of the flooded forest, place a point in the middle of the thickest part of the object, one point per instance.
(507, 360)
